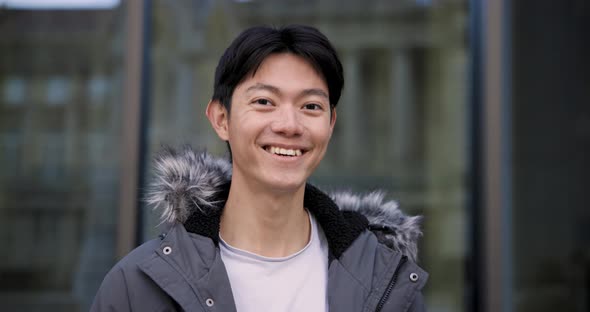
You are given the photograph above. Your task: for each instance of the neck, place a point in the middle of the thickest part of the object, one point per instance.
(265, 223)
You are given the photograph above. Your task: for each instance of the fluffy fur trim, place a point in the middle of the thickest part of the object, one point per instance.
(392, 226)
(186, 180)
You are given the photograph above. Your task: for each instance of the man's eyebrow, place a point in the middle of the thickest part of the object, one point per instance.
(277, 91)
(262, 86)
(318, 92)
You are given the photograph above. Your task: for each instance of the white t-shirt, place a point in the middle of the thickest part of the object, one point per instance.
(294, 283)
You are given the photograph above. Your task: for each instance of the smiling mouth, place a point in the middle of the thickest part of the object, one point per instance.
(284, 151)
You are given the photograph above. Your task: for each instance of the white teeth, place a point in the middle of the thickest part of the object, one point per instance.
(284, 152)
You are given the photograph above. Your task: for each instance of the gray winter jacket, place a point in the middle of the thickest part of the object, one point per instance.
(372, 246)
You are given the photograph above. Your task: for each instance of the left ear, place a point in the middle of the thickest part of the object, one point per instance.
(332, 118)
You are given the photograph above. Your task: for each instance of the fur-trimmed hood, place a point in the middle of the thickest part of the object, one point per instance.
(190, 186)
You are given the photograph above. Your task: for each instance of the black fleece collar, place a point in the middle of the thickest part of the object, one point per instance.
(340, 227)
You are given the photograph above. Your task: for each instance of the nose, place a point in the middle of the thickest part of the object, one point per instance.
(287, 122)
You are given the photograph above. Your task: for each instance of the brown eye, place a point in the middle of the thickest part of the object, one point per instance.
(263, 102)
(313, 106)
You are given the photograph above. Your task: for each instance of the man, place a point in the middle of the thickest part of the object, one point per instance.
(253, 235)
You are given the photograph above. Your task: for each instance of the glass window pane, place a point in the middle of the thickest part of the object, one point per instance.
(550, 111)
(58, 91)
(60, 108)
(401, 120)
(14, 90)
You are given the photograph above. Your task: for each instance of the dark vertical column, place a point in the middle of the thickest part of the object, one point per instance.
(496, 161)
(131, 129)
(474, 277)
(142, 161)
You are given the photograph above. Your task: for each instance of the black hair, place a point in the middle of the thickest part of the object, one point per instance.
(251, 47)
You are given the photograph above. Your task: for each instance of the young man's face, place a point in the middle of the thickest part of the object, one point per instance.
(280, 123)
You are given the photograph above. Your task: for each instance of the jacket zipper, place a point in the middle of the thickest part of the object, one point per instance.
(391, 284)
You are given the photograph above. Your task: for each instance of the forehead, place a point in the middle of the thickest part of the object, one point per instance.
(286, 72)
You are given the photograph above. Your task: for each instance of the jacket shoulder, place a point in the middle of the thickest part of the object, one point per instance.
(123, 286)
(138, 255)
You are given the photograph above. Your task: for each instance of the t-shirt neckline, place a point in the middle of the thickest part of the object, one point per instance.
(257, 257)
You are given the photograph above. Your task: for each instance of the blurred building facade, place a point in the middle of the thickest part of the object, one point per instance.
(416, 119)
(61, 85)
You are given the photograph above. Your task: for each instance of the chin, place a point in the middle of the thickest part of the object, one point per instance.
(287, 185)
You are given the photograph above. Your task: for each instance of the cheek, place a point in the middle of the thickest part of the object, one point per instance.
(243, 129)
(322, 138)
(324, 130)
